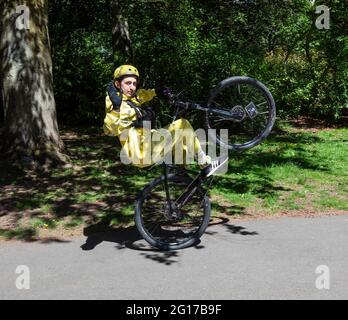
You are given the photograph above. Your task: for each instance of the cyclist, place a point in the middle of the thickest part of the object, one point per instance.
(126, 115)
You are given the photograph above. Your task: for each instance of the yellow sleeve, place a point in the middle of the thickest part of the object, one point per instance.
(144, 95)
(108, 104)
(127, 116)
(116, 121)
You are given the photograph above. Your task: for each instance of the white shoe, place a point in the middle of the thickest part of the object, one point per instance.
(214, 167)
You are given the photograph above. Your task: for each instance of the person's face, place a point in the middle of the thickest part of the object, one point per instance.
(128, 86)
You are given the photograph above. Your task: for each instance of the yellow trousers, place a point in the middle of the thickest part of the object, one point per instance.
(175, 143)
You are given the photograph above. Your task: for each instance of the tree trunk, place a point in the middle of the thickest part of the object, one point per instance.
(120, 30)
(30, 121)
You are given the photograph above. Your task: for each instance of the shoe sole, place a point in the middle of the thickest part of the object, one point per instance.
(215, 169)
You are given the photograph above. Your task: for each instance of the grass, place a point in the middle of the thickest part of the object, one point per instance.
(294, 171)
(18, 233)
(74, 222)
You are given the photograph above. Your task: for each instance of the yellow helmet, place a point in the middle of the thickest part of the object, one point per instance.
(125, 70)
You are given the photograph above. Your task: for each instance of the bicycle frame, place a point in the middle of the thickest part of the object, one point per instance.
(177, 216)
(237, 113)
(186, 196)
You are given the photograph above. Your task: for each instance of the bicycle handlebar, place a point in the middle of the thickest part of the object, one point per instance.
(173, 100)
(186, 105)
(180, 104)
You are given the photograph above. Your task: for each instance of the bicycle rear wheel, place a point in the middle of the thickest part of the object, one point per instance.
(248, 112)
(179, 229)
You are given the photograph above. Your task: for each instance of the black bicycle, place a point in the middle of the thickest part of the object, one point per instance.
(173, 211)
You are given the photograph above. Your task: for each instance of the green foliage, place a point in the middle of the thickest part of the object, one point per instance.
(82, 58)
(82, 71)
(192, 45)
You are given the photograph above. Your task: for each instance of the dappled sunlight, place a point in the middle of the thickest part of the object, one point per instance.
(98, 189)
(95, 197)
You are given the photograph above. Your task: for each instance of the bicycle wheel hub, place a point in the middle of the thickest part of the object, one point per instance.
(174, 214)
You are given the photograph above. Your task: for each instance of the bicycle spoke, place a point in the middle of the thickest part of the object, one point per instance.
(259, 104)
(240, 95)
(174, 226)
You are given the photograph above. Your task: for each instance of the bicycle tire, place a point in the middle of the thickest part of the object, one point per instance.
(150, 237)
(227, 84)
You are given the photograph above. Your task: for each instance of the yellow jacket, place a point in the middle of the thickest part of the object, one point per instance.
(136, 147)
(118, 120)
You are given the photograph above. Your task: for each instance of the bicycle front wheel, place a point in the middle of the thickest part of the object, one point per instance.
(245, 108)
(174, 229)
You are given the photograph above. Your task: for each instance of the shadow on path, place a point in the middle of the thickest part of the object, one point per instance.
(129, 237)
